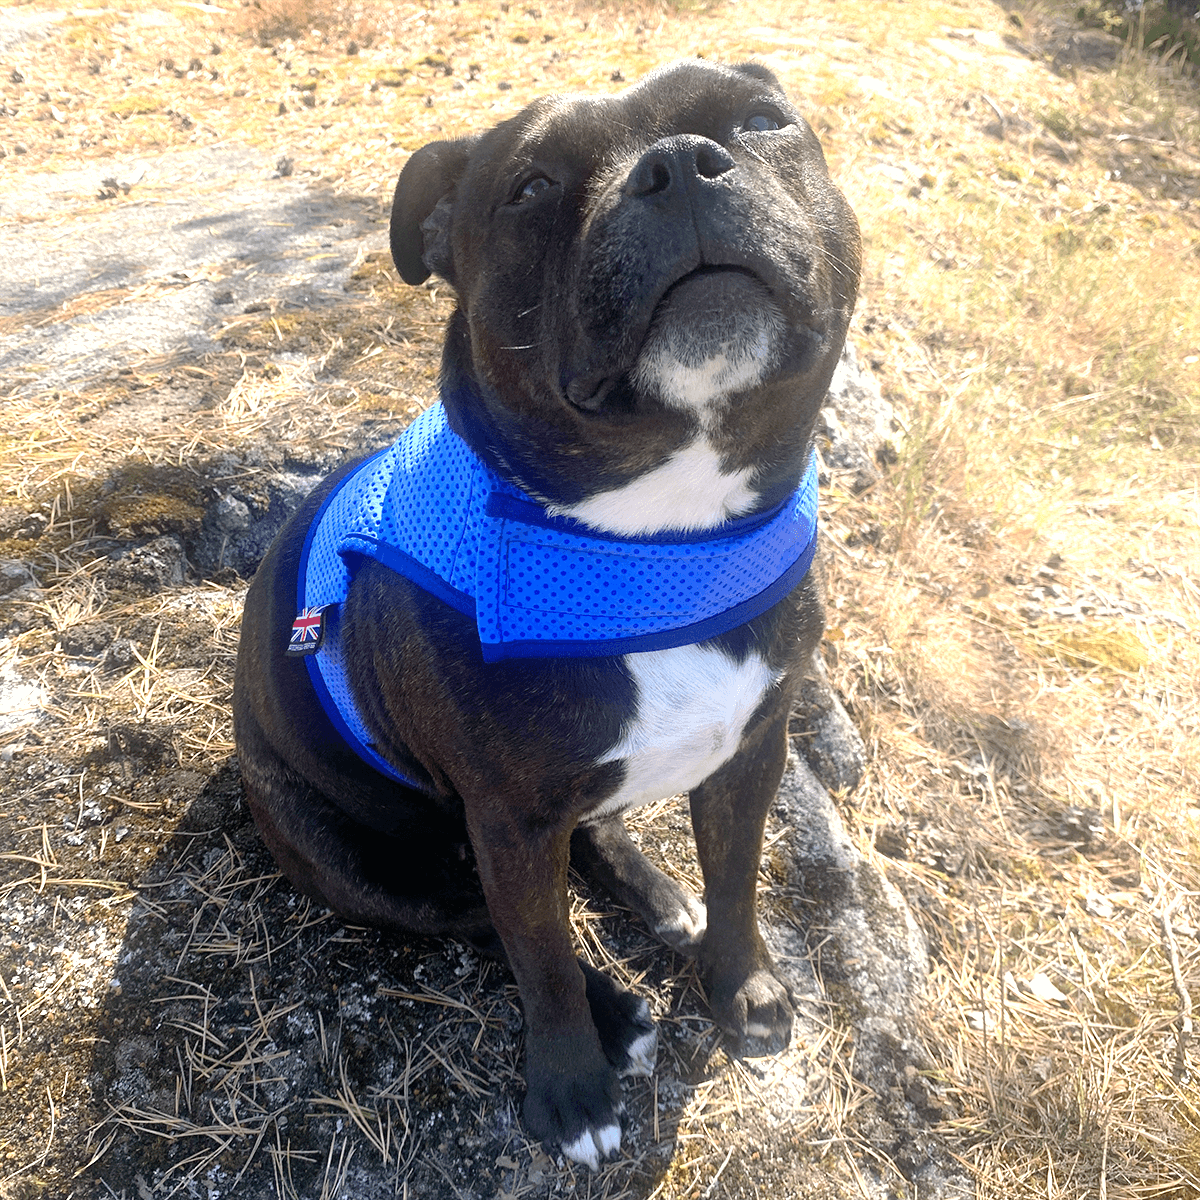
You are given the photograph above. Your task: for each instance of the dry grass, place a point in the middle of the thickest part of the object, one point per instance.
(1015, 608)
(1022, 642)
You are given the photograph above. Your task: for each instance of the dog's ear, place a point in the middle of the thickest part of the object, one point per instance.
(420, 231)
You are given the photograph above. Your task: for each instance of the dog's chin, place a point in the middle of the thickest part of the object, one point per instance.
(715, 332)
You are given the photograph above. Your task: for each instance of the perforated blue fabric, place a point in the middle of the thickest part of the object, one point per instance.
(536, 585)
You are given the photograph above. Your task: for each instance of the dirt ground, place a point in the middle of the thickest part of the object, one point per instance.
(198, 319)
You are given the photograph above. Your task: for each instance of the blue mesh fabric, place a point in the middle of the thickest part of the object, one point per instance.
(326, 580)
(560, 586)
(429, 508)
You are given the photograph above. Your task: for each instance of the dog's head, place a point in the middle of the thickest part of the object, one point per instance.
(653, 291)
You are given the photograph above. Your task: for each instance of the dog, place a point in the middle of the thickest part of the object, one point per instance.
(581, 581)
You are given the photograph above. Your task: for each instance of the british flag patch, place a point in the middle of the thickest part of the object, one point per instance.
(308, 631)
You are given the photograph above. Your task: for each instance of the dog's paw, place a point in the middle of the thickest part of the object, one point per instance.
(756, 1014)
(683, 929)
(627, 1032)
(578, 1111)
(592, 1146)
(631, 1043)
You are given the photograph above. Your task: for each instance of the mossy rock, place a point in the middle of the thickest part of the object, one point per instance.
(141, 500)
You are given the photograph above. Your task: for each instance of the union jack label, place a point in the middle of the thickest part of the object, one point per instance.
(308, 631)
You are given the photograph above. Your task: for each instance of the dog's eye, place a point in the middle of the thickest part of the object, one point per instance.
(762, 122)
(532, 188)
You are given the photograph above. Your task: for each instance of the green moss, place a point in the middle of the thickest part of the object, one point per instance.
(134, 104)
(18, 548)
(141, 500)
(1027, 870)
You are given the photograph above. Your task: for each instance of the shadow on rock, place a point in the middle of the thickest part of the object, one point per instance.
(254, 1045)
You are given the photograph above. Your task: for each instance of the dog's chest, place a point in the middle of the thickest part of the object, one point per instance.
(693, 704)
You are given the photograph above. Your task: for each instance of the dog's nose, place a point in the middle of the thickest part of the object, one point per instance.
(672, 162)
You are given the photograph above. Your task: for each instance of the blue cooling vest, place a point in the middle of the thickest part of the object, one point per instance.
(535, 585)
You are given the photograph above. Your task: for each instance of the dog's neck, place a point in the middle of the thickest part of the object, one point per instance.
(689, 491)
(690, 488)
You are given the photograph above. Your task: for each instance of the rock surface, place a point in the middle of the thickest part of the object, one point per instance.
(858, 431)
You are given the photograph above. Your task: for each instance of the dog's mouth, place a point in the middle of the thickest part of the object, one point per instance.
(708, 308)
(711, 312)
(710, 287)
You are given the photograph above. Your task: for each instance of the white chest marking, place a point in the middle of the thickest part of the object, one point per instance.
(689, 491)
(692, 707)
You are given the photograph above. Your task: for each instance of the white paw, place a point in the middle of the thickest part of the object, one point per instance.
(592, 1145)
(643, 1053)
(684, 930)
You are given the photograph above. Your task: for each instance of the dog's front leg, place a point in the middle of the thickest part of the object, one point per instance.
(572, 1093)
(729, 811)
